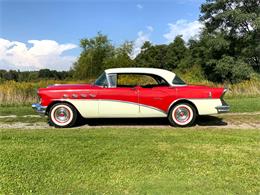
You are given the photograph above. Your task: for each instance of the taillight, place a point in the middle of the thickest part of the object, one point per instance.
(223, 93)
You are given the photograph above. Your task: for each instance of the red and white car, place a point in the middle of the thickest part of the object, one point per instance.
(130, 92)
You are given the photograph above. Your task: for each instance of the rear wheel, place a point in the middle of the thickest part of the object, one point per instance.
(182, 115)
(62, 115)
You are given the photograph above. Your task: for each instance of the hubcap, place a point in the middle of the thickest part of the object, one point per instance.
(182, 114)
(62, 115)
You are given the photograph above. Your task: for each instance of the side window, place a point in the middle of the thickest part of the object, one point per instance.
(132, 80)
(112, 80)
(177, 81)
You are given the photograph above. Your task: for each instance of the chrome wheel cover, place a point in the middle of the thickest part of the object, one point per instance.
(62, 114)
(182, 114)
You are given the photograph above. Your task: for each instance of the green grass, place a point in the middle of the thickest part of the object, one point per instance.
(245, 104)
(130, 161)
(22, 119)
(16, 110)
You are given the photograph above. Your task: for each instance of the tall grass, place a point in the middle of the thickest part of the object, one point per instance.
(24, 93)
(249, 88)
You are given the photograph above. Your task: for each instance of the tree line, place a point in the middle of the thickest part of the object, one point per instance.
(227, 50)
(28, 76)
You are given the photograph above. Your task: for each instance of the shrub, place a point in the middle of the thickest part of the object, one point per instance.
(230, 69)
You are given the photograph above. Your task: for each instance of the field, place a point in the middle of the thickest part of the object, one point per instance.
(130, 161)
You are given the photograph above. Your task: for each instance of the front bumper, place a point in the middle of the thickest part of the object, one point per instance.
(39, 108)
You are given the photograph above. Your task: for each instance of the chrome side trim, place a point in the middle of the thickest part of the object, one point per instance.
(39, 108)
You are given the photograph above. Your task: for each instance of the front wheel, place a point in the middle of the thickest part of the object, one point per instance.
(62, 115)
(182, 115)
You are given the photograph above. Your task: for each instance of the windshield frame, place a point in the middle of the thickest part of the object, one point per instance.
(102, 80)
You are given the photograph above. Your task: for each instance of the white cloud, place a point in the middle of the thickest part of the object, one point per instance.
(141, 38)
(184, 28)
(150, 28)
(139, 6)
(42, 54)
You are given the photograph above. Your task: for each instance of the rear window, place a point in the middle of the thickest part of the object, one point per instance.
(178, 81)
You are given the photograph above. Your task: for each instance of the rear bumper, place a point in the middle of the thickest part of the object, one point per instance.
(223, 108)
(39, 108)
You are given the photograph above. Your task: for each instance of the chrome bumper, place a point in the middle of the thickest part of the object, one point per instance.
(39, 108)
(223, 108)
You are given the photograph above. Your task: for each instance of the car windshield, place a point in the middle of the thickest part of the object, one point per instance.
(101, 80)
(178, 81)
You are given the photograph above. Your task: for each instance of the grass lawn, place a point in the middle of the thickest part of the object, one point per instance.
(16, 110)
(134, 161)
(244, 104)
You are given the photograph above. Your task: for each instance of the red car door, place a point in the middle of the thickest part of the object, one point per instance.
(153, 101)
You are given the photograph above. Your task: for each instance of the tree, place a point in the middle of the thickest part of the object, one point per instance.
(45, 73)
(152, 56)
(91, 61)
(238, 22)
(230, 69)
(176, 52)
(121, 57)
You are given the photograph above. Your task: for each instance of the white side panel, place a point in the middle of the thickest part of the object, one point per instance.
(206, 106)
(87, 108)
(114, 109)
(110, 108)
(147, 111)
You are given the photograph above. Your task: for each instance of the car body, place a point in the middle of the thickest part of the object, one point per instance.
(130, 93)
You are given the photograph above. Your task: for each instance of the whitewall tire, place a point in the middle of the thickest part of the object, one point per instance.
(62, 115)
(182, 115)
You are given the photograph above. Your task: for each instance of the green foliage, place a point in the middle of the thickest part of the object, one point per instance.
(152, 56)
(91, 61)
(99, 54)
(233, 70)
(171, 56)
(238, 23)
(176, 54)
(29, 76)
(121, 57)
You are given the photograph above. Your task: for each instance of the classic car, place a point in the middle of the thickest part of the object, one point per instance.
(130, 92)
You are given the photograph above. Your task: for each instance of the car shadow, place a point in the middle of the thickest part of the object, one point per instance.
(201, 121)
(210, 121)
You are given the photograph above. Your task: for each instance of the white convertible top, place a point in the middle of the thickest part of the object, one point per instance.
(167, 75)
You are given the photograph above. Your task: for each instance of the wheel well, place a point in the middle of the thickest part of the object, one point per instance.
(183, 101)
(55, 102)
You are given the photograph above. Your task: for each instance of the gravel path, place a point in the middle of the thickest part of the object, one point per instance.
(25, 126)
(217, 121)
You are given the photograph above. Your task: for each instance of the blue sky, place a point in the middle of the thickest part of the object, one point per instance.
(64, 22)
